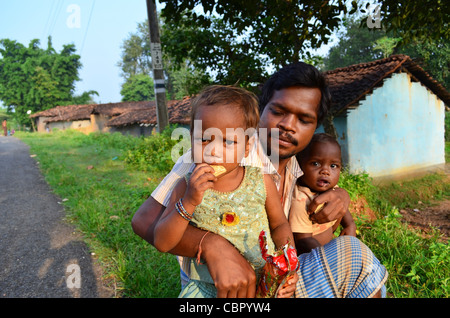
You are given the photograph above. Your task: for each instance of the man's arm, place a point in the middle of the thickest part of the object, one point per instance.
(232, 274)
(145, 219)
(337, 203)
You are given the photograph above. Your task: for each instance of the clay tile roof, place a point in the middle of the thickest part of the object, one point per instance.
(122, 114)
(114, 109)
(350, 84)
(179, 113)
(66, 113)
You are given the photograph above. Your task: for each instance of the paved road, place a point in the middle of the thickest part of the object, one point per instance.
(40, 254)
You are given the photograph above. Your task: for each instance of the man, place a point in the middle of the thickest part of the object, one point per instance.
(5, 129)
(293, 102)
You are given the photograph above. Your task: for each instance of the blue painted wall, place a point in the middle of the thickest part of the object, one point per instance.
(396, 129)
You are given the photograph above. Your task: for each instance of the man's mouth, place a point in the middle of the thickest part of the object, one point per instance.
(287, 140)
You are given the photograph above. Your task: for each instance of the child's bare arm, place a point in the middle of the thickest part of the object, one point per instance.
(305, 242)
(279, 226)
(348, 225)
(170, 228)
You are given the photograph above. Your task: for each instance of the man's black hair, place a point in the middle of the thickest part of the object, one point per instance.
(297, 74)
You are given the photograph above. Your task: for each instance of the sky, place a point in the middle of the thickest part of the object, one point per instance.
(96, 27)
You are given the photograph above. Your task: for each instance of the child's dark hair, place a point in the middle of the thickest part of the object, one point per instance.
(297, 74)
(228, 95)
(321, 137)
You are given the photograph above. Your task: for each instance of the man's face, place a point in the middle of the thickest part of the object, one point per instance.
(293, 111)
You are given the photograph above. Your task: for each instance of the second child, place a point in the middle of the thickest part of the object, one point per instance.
(321, 165)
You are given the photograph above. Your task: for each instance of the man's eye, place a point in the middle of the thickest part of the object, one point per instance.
(229, 142)
(275, 111)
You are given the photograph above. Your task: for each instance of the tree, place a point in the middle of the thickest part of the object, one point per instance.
(138, 87)
(425, 20)
(386, 45)
(182, 78)
(236, 40)
(136, 55)
(356, 45)
(432, 56)
(35, 79)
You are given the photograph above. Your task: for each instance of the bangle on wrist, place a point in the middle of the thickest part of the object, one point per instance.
(199, 252)
(182, 211)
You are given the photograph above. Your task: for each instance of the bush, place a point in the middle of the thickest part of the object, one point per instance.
(153, 153)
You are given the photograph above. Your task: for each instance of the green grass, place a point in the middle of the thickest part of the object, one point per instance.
(105, 178)
(102, 195)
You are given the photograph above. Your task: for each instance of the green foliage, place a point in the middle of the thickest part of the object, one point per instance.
(355, 45)
(153, 153)
(433, 56)
(356, 184)
(238, 48)
(182, 78)
(386, 45)
(136, 55)
(32, 78)
(406, 194)
(413, 20)
(103, 192)
(417, 267)
(138, 87)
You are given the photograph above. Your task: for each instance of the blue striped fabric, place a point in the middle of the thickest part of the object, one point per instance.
(343, 268)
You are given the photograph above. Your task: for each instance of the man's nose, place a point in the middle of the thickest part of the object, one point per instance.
(287, 123)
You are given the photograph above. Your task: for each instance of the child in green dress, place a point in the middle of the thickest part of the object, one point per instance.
(236, 203)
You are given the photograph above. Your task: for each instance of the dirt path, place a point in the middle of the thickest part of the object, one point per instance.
(437, 216)
(41, 255)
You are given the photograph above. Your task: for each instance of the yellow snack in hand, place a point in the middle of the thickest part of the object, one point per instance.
(218, 170)
(319, 207)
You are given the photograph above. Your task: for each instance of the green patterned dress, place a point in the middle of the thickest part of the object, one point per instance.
(239, 216)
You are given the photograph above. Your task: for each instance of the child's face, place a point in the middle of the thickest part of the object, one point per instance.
(221, 139)
(322, 167)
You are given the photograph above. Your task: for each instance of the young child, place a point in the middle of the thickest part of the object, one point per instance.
(237, 202)
(321, 165)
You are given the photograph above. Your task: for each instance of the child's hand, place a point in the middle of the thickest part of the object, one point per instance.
(288, 289)
(202, 178)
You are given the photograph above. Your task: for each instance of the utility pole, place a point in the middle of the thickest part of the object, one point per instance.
(158, 73)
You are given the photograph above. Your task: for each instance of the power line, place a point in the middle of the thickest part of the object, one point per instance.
(87, 27)
(48, 20)
(55, 20)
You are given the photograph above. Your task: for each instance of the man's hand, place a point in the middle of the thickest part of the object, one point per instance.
(232, 273)
(336, 205)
